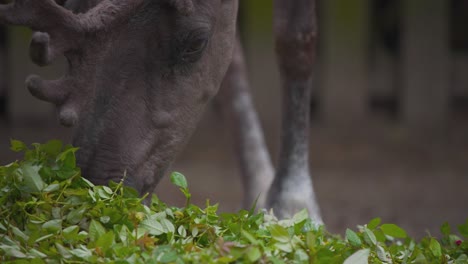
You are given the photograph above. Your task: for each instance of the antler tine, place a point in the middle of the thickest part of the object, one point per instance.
(66, 29)
(108, 14)
(58, 31)
(48, 15)
(68, 113)
(59, 93)
(42, 51)
(43, 15)
(51, 91)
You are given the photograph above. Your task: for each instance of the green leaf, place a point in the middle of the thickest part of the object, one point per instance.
(167, 225)
(445, 229)
(104, 219)
(71, 232)
(379, 234)
(67, 158)
(462, 259)
(169, 257)
(103, 194)
(195, 231)
(44, 238)
(393, 230)
(75, 216)
(153, 227)
(253, 254)
(382, 255)
(122, 233)
(52, 147)
(96, 230)
(420, 259)
(353, 238)
(19, 233)
(66, 173)
(52, 188)
(53, 226)
(106, 241)
(359, 257)
(369, 237)
(50, 214)
(12, 251)
(463, 229)
(82, 253)
(311, 241)
(63, 251)
(374, 223)
(178, 179)
(434, 246)
(254, 205)
(182, 231)
(36, 253)
(301, 256)
(276, 260)
(279, 233)
(32, 180)
(286, 247)
(17, 146)
(300, 216)
(249, 237)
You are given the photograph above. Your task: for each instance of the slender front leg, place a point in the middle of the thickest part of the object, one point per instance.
(240, 116)
(296, 39)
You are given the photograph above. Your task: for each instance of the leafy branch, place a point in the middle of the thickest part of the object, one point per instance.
(50, 214)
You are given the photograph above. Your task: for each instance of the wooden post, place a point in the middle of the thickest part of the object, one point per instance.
(3, 72)
(345, 48)
(460, 75)
(425, 63)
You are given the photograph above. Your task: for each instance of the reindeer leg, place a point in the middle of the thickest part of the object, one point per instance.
(241, 118)
(296, 39)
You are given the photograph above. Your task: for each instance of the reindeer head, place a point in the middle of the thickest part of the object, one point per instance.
(140, 74)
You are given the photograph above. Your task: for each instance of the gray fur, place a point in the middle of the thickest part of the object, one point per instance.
(141, 73)
(296, 40)
(136, 84)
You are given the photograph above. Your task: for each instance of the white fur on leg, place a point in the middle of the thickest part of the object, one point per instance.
(296, 194)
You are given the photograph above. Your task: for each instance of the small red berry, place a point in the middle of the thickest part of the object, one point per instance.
(458, 242)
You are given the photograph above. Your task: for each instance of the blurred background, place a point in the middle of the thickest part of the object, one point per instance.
(389, 133)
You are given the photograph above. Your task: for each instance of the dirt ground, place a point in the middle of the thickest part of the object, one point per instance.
(417, 182)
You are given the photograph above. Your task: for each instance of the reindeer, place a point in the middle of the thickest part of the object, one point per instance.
(141, 72)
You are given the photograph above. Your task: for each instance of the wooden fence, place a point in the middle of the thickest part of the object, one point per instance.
(408, 58)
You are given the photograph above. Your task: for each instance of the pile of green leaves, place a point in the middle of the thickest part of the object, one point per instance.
(50, 214)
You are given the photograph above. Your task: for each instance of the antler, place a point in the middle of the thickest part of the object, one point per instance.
(59, 31)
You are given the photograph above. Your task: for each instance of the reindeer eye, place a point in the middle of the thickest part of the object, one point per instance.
(194, 48)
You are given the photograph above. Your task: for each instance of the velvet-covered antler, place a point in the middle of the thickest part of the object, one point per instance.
(68, 28)
(59, 31)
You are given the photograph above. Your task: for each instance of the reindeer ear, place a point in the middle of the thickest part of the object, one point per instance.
(183, 6)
